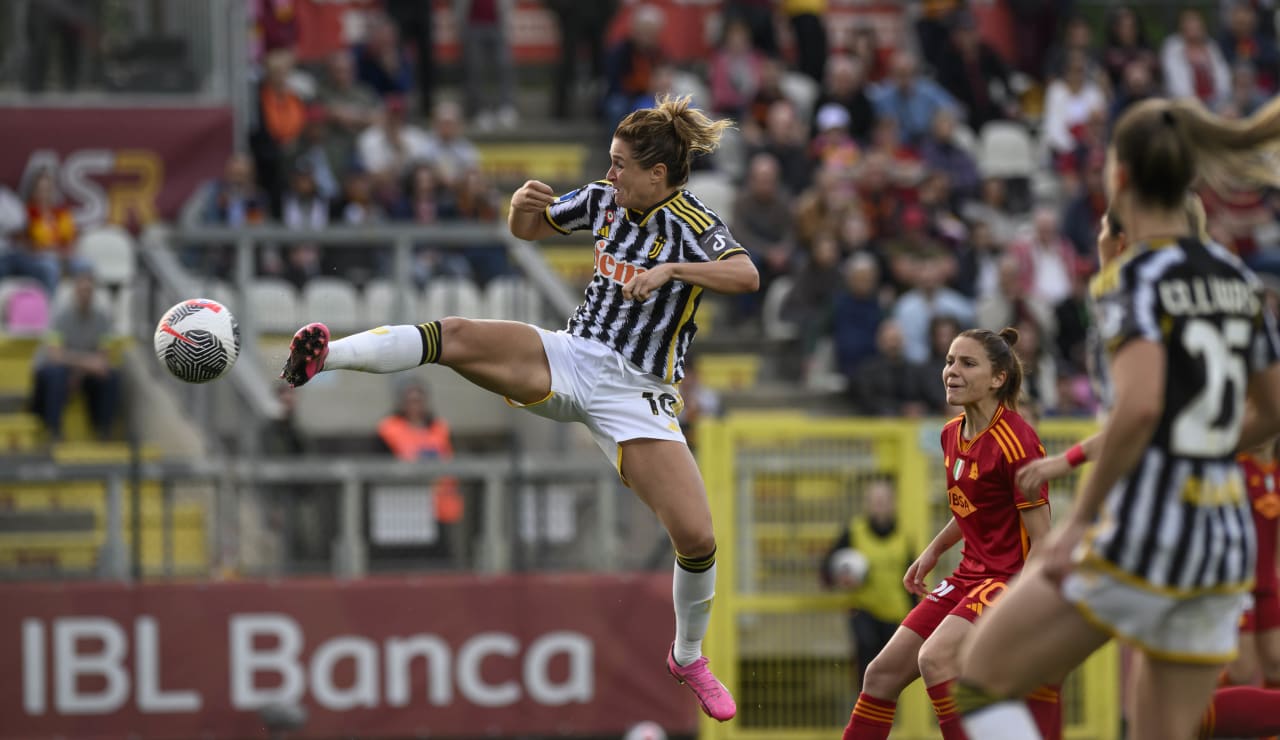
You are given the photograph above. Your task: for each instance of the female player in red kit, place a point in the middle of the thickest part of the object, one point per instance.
(982, 452)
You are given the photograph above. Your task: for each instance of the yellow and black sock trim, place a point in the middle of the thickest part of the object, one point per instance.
(970, 698)
(696, 565)
(430, 342)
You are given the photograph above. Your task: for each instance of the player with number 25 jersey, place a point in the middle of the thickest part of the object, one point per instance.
(1204, 306)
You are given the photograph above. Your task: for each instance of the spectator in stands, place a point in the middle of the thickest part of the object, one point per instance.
(1037, 25)
(906, 168)
(1138, 85)
(993, 209)
(1243, 43)
(910, 98)
(630, 63)
(351, 106)
(932, 26)
(864, 45)
(881, 603)
(72, 24)
(889, 383)
(941, 223)
(233, 200)
(914, 248)
(304, 209)
(857, 312)
(942, 329)
(1193, 64)
(1081, 217)
(425, 200)
(482, 28)
(769, 92)
(785, 138)
(759, 17)
(917, 307)
(393, 145)
(75, 358)
(381, 62)
(1069, 102)
(416, 24)
(1071, 321)
(975, 75)
(846, 86)
(813, 293)
(415, 432)
(281, 118)
(824, 206)
(47, 236)
(735, 69)
(763, 223)
(1077, 41)
(809, 35)
(1126, 43)
(476, 200)
(879, 197)
(1040, 367)
(448, 147)
(831, 143)
(320, 153)
(941, 154)
(357, 206)
(977, 263)
(13, 218)
(1245, 96)
(1047, 262)
(580, 23)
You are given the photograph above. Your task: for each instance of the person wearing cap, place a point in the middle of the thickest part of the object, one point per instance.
(845, 86)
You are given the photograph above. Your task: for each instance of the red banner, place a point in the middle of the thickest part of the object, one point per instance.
(127, 166)
(430, 656)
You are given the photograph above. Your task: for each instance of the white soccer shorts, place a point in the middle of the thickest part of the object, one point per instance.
(1184, 629)
(616, 400)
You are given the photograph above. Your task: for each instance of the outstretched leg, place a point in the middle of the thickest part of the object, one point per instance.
(505, 357)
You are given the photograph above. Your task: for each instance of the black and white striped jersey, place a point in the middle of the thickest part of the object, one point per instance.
(654, 334)
(1180, 520)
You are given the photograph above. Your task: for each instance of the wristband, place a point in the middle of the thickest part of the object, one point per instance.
(1076, 456)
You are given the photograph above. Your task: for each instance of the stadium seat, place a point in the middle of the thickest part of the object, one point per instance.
(775, 327)
(731, 157)
(715, 190)
(110, 250)
(688, 83)
(274, 305)
(333, 301)
(802, 91)
(451, 297)
(378, 304)
(1006, 150)
(24, 306)
(964, 138)
(510, 297)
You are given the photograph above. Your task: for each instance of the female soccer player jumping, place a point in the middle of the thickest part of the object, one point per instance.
(982, 452)
(1159, 549)
(616, 367)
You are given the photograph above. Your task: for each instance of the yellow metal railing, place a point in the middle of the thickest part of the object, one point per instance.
(782, 488)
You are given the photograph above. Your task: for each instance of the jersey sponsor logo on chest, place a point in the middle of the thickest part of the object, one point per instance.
(959, 503)
(612, 268)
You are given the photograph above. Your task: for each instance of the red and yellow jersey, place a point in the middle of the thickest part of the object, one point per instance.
(1261, 481)
(984, 499)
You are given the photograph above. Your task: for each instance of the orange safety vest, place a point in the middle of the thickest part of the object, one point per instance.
(412, 442)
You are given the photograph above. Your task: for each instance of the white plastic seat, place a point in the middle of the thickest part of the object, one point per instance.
(451, 296)
(966, 139)
(687, 83)
(513, 298)
(274, 305)
(775, 327)
(1006, 150)
(378, 304)
(715, 190)
(332, 301)
(110, 250)
(802, 91)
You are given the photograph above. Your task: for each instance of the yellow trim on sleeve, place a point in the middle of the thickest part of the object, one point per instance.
(546, 213)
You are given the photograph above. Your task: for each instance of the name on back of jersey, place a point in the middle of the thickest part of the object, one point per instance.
(1206, 296)
(612, 268)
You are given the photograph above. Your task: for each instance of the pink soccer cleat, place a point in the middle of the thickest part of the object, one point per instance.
(714, 698)
(307, 352)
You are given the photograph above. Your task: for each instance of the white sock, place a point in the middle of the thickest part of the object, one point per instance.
(1007, 720)
(387, 349)
(692, 594)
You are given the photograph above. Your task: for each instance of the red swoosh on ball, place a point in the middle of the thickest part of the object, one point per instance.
(170, 330)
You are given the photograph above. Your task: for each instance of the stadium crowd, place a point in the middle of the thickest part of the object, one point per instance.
(863, 194)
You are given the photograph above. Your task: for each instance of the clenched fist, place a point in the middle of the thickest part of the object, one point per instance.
(533, 197)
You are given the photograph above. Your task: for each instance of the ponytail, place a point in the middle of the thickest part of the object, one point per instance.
(670, 133)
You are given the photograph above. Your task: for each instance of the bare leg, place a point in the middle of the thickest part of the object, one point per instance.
(1169, 698)
(1243, 671)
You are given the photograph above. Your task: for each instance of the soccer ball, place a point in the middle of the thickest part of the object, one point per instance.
(849, 565)
(198, 340)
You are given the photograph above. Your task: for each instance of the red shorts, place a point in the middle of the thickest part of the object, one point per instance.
(1264, 614)
(963, 597)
